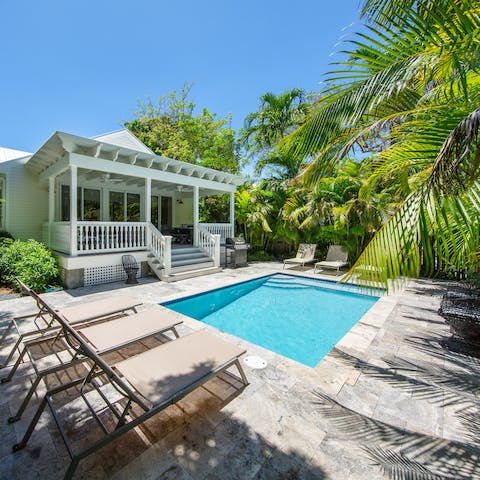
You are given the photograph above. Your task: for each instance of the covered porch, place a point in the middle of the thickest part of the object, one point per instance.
(107, 199)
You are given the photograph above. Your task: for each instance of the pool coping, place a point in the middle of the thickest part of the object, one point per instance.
(356, 340)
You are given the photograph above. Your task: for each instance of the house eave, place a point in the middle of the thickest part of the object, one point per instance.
(60, 143)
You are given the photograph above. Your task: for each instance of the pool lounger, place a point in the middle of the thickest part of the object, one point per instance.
(103, 338)
(305, 254)
(148, 382)
(337, 257)
(77, 314)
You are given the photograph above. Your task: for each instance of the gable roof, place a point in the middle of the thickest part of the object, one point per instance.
(54, 149)
(7, 154)
(123, 138)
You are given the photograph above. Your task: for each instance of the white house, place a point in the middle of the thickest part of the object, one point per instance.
(93, 199)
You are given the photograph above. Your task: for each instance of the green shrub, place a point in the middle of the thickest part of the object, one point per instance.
(5, 234)
(260, 256)
(31, 261)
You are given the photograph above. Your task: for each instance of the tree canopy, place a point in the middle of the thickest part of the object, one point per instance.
(170, 127)
(413, 82)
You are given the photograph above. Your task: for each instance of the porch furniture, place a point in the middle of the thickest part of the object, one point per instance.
(134, 389)
(183, 236)
(131, 268)
(337, 257)
(44, 323)
(106, 337)
(305, 254)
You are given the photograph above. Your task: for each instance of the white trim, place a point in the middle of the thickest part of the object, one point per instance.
(99, 164)
(60, 143)
(55, 169)
(73, 210)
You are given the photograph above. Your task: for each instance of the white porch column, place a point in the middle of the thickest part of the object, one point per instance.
(73, 210)
(51, 207)
(148, 200)
(51, 199)
(232, 214)
(195, 215)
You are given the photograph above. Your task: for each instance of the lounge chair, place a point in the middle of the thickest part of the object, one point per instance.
(305, 254)
(103, 338)
(146, 383)
(337, 257)
(77, 314)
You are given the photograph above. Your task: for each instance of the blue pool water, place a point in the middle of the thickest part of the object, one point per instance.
(299, 318)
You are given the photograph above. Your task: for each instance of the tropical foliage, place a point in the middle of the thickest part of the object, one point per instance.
(171, 128)
(409, 90)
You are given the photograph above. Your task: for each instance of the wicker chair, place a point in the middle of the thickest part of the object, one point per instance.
(130, 266)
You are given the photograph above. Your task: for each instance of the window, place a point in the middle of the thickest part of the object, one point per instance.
(88, 204)
(166, 214)
(91, 205)
(133, 207)
(2, 202)
(117, 207)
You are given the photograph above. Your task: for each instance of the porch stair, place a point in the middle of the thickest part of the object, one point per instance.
(187, 262)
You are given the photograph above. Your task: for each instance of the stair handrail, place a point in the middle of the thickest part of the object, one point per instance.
(161, 247)
(209, 244)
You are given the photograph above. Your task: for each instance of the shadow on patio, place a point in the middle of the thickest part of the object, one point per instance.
(191, 439)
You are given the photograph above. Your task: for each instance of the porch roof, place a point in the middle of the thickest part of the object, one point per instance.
(60, 143)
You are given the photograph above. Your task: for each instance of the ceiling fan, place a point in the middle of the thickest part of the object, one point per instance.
(182, 189)
(107, 178)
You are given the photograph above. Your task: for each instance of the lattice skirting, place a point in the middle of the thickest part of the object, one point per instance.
(104, 274)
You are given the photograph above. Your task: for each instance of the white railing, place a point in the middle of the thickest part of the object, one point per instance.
(57, 236)
(225, 230)
(209, 244)
(161, 247)
(96, 237)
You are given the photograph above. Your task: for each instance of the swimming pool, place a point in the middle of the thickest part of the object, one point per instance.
(297, 317)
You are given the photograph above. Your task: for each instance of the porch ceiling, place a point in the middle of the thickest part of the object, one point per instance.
(54, 150)
(112, 181)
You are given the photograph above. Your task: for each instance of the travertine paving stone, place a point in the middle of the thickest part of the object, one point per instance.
(389, 398)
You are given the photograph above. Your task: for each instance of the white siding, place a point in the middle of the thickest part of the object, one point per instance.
(26, 204)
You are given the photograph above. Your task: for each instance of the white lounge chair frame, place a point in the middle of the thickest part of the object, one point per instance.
(305, 254)
(337, 257)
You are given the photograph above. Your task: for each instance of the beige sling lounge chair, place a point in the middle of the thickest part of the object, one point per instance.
(305, 254)
(337, 257)
(146, 383)
(103, 338)
(76, 314)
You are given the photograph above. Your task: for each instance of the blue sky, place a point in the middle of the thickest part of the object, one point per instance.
(80, 66)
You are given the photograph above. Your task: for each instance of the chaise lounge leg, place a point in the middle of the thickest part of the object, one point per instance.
(12, 352)
(16, 365)
(23, 443)
(71, 469)
(241, 372)
(6, 332)
(25, 402)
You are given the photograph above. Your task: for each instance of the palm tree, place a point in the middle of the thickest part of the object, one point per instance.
(413, 85)
(263, 129)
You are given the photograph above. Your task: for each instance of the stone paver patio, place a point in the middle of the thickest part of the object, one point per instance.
(388, 402)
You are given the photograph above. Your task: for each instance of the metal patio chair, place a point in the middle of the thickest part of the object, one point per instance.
(131, 268)
(143, 385)
(43, 323)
